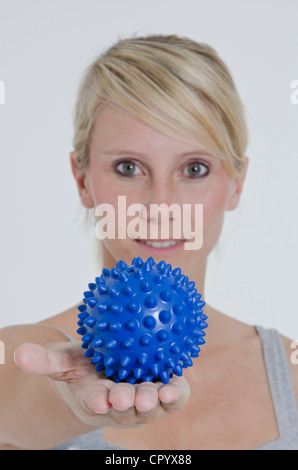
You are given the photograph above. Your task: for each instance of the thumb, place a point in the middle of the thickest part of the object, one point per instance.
(36, 359)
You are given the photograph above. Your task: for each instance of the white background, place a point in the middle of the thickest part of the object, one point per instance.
(47, 256)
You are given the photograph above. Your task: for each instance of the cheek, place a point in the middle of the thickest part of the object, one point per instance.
(216, 199)
(106, 191)
(106, 194)
(214, 207)
(101, 189)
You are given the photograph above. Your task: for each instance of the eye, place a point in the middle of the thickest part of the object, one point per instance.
(196, 169)
(127, 168)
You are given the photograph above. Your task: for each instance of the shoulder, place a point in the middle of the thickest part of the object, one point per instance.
(65, 321)
(291, 347)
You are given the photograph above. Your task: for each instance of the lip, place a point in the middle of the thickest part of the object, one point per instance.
(160, 251)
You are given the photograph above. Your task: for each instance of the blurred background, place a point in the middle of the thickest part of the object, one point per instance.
(47, 250)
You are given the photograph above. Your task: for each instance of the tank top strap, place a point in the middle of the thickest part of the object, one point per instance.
(280, 380)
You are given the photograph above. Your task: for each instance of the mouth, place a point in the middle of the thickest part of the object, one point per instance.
(160, 246)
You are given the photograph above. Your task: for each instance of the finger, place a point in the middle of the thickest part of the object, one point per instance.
(122, 396)
(98, 400)
(174, 395)
(146, 398)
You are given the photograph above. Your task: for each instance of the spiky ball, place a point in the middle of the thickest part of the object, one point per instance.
(142, 322)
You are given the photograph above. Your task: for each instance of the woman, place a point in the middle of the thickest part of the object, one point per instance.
(158, 120)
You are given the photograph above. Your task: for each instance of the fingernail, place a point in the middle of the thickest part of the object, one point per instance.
(118, 409)
(100, 412)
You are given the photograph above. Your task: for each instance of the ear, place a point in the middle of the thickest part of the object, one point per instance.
(82, 183)
(239, 182)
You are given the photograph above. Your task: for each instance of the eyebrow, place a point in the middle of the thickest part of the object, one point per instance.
(140, 154)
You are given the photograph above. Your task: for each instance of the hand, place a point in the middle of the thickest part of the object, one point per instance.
(96, 400)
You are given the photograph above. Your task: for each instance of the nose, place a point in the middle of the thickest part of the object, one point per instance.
(162, 208)
(160, 192)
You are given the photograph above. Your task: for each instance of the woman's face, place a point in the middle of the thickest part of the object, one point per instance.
(129, 158)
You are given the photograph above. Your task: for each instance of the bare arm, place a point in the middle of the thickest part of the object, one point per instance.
(33, 414)
(54, 394)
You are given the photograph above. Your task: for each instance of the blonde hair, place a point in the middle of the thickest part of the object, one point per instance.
(178, 86)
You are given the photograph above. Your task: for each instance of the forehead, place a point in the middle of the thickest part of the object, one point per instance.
(113, 122)
(116, 131)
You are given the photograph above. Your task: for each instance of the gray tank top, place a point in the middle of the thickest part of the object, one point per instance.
(282, 393)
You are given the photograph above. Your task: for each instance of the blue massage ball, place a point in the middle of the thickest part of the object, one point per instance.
(142, 322)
